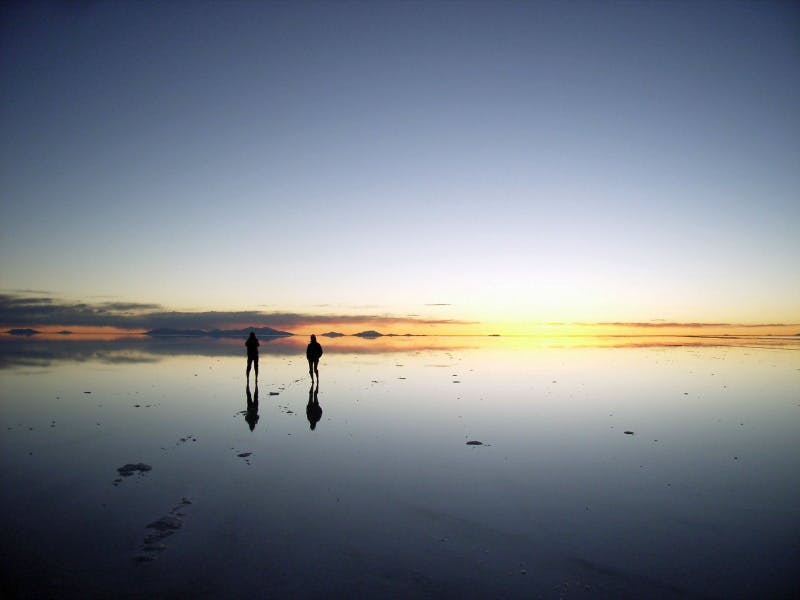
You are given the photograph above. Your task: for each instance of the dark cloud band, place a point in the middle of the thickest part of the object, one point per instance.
(29, 311)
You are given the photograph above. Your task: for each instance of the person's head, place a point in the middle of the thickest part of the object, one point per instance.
(252, 335)
(313, 338)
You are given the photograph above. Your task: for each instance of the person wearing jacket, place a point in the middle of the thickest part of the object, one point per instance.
(313, 354)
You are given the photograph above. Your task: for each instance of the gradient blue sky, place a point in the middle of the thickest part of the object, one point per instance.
(518, 161)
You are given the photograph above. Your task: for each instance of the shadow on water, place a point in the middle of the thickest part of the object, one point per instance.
(251, 414)
(313, 409)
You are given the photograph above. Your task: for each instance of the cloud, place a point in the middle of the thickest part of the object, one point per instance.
(299, 319)
(672, 325)
(31, 311)
(26, 291)
(661, 324)
(129, 306)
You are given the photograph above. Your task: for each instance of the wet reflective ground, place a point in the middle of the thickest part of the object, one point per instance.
(368, 485)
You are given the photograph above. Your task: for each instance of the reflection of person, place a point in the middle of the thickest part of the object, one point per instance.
(252, 353)
(251, 416)
(313, 409)
(313, 354)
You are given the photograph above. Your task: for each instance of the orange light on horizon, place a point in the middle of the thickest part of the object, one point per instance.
(412, 327)
(82, 332)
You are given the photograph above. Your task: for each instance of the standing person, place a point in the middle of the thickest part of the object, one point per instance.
(252, 353)
(313, 354)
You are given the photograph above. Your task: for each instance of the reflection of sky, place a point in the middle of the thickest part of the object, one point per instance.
(579, 161)
(43, 351)
(385, 481)
(39, 351)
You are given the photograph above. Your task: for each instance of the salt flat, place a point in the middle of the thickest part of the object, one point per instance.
(614, 468)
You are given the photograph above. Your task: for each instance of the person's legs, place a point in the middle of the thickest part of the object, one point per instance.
(310, 371)
(316, 370)
(255, 360)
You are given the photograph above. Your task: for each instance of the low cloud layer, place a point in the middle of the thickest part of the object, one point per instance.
(677, 325)
(17, 310)
(36, 310)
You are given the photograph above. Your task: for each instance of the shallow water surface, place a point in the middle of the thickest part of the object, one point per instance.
(377, 491)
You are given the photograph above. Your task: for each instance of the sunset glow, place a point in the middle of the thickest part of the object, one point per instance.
(443, 168)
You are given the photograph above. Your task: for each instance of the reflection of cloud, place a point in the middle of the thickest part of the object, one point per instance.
(26, 310)
(127, 349)
(696, 341)
(43, 352)
(40, 352)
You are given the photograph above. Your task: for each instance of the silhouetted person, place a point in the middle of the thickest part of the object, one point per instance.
(313, 354)
(313, 409)
(252, 354)
(252, 407)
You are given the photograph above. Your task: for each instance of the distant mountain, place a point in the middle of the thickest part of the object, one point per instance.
(23, 331)
(332, 334)
(65, 332)
(220, 333)
(369, 334)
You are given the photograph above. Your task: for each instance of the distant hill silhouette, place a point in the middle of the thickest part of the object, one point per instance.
(368, 334)
(23, 331)
(259, 331)
(332, 334)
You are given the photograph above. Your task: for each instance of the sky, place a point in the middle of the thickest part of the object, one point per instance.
(504, 163)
